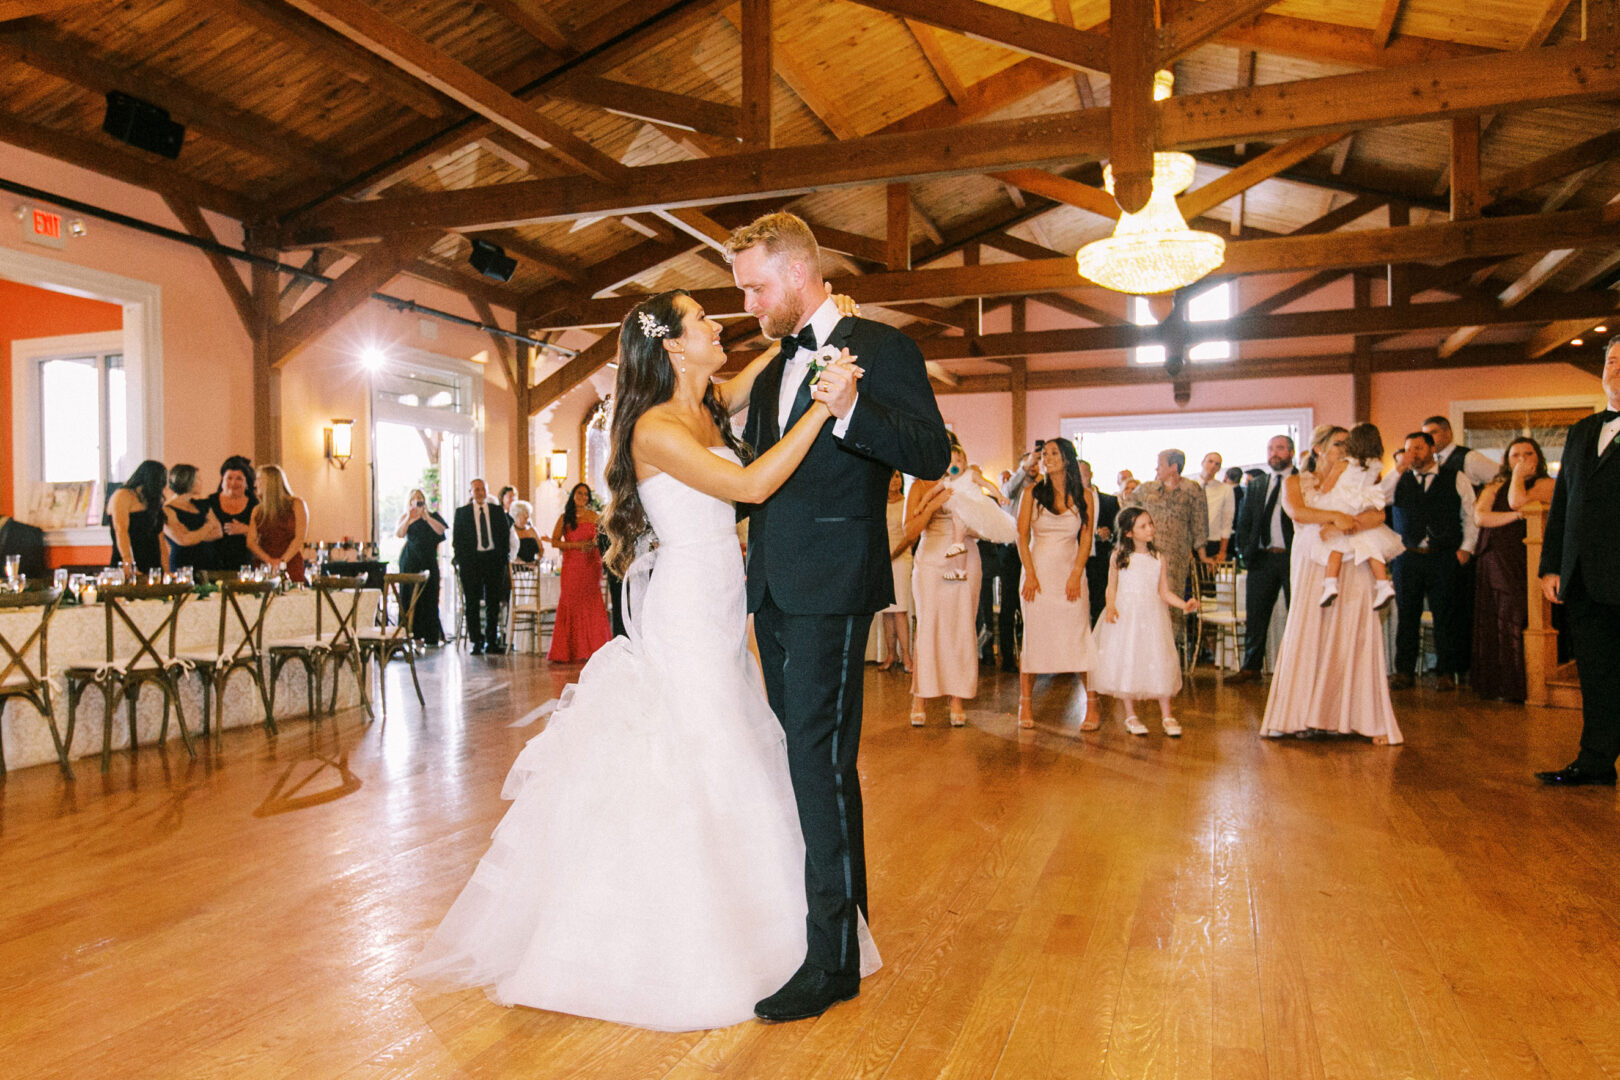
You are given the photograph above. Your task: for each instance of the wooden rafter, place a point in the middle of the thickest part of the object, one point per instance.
(1200, 201)
(1388, 17)
(1041, 38)
(1133, 121)
(374, 270)
(756, 30)
(195, 224)
(1193, 25)
(1465, 193)
(802, 78)
(1062, 189)
(532, 18)
(575, 371)
(643, 103)
(927, 39)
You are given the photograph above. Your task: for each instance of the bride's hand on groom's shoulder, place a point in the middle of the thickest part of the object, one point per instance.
(846, 305)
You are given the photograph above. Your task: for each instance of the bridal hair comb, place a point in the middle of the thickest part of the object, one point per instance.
(651, 327)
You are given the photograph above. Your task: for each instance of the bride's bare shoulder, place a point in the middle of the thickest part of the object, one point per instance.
(659, 428)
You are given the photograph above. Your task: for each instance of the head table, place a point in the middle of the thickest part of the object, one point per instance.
(78, 636)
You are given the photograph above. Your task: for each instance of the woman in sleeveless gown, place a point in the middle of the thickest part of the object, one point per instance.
(945, 652)
(650, 870)
(423, 531)
(276, 530)
(527, 548)
(1332, 675)
(1501, 601)
(189, 528)
(1054, 527)
(582, 624)
(134, 518)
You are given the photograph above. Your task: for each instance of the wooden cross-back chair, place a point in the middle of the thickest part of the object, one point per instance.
(337, 605)
(30, 680)
(152, 660)
(239, 646)
(390, 639)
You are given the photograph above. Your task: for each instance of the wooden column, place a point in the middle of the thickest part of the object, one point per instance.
(1361, 359)
(897, 249)
(1134, 49)
(266, 379)
(1018, 383)
(525, 454)
(756, 73)
(1400, 274)
(1465, 200)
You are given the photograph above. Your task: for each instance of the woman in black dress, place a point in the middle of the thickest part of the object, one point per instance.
(1501, 601)
(232, 506)
(135, 518)
(188, 525)
(423, 531)
(527, 548)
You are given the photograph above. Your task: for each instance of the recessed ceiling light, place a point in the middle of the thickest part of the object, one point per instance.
(1578, 341)
(1600, 329)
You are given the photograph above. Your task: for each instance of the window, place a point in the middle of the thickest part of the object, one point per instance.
(598, 446)
(1113, 443)
(1211, 305)
(84, 423)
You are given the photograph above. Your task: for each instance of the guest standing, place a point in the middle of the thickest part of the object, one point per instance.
(479, 539)
(278, 524)
(1448, 453)
(1580, 568)
(232, 506)
(1136, 644)
(507, 496)
(1501, 607)
(945, 660)
(1234, 480)
(1434, 514)
(897, 616)
(423, 531)
(1180, 520)
(1265, 538)
(527, 547)
(1102, 543)
(582, 620)
(1054, 537)
(1331, 674)
(135, 518)
(1222, 507)
(189, 528)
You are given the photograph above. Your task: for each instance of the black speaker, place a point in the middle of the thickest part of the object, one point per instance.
(491, 261)
(142, 125)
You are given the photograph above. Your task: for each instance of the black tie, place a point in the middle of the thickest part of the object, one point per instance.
(1608, 415)
(804, 339)
(478, 515)
(1270, 508)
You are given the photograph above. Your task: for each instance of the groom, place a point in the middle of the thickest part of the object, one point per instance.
(818, 567)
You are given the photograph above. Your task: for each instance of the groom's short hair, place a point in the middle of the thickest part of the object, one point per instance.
(782, 233)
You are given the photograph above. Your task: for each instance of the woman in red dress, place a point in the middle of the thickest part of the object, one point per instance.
(276, 529)
(582, 618)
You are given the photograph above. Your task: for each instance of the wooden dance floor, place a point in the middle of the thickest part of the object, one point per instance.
(1046, 906)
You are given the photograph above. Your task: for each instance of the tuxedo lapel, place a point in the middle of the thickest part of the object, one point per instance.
(1608, 454)
(767, 393)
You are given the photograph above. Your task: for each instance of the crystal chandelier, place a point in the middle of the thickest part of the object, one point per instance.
(1152, 250)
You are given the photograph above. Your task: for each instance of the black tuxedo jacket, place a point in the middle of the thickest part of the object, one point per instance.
(464, 533)
(1249, 519)
(1583, 524)
(1107, 514)
(820, 545)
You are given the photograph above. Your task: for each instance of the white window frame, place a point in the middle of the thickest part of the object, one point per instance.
(1139, 354)
(1302, 418)
(140, 341)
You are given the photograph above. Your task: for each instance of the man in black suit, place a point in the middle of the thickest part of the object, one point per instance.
(818, 567)
(1102, 544)
(1580, 568)
(479, 538)
(1265, 537)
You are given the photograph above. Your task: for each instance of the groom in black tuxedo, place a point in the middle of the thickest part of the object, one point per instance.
(818, 567)
(1580, 568)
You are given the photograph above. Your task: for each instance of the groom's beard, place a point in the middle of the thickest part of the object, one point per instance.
(782, 321)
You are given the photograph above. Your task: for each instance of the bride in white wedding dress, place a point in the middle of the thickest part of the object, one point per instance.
(650, 870)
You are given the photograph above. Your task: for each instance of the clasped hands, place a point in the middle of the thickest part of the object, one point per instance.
(836, 384)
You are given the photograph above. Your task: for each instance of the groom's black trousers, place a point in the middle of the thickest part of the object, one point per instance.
(814, 668)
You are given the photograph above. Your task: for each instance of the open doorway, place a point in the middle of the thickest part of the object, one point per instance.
(1113, 443)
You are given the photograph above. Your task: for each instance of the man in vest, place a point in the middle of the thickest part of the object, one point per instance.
(1479, 469)
(1434, 515)
(1265, 539)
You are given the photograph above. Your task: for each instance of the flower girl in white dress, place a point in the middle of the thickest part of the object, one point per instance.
(1356, 491)
(1136, 645)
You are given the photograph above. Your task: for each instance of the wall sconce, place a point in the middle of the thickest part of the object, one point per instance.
(557, 467)
(340, 442)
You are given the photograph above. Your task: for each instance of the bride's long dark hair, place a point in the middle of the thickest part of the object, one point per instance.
(646, 378)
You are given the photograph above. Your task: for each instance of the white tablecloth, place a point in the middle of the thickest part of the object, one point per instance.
(78, 635)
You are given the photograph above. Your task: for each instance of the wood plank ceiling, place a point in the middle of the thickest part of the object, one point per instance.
(1455, 159)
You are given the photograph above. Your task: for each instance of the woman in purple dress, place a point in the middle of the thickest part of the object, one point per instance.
(1501, 582)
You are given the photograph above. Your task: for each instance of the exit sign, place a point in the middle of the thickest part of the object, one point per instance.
(43, 227)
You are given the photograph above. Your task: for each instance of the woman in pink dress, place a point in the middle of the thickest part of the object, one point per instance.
(582, 619)
(945, 654)
(1332, 675)
(1054, 529)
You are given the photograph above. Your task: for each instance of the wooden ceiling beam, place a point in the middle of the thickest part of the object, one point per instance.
(1042, 38)
(1561, 332)
(74, 61)
(575, 371)
(644, 103)
(1465, 193)
(1555, 166)
(804, 80)
(1062, 189)
(980, 99)
(1342, 250)
(699, 226)
(27, 9)
(319, 262)
(1132, 118)
(756, 27)
(100, 155)
(1334, 103)
(343, 57)
(354, 287)
(1079, 309)
(235, 288)
(1387, 19)
(361, 24)
(1193, 25)
(1200, 201)
(532, 18)
(1307, 39)
(541, 307)
(927, 39)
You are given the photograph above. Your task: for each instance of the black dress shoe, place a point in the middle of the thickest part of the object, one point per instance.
(810, 992)
(1009, 665)
(1246, 675)
(1401, 681)
(1576, 774)
(496, 650)
(477, 647)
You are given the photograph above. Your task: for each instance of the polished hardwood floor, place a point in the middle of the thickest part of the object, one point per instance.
(1047, 904)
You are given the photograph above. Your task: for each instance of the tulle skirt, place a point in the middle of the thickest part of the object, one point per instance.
(1136, 656)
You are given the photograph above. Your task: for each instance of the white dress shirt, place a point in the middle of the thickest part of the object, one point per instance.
(826, 317)
(1606, 435)
(1465, 492)
(1479, 469)
(486, 539)
(1222, 508)
(1277, 480)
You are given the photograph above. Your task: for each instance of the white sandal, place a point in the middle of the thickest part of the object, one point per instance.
(1135, 726)
(1171, 727)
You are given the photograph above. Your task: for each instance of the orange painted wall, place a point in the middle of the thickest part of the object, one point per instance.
(27, 312)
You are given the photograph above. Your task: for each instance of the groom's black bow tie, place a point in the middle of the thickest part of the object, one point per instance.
(1608, 414)
(804, 339)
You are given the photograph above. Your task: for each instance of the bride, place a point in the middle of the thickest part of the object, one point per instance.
(650, 870)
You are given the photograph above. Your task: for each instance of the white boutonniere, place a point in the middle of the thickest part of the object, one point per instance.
(819, 360)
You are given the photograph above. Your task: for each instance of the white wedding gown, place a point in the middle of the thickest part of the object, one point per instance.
(650, 870)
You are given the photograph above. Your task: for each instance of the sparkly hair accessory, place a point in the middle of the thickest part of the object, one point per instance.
(652, 327)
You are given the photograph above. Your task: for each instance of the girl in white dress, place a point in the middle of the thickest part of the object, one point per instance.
(1354, 492)
(650, 870)
(1136, 645)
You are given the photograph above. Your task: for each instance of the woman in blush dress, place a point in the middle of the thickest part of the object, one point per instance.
(897, 616)
(582, 620)
(1332, 674)
(278, 525)
(1501, 600)
(1054, 540)
(423, 531)
(946, 658)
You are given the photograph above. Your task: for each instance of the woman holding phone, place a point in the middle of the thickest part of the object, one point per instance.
(423, 531)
